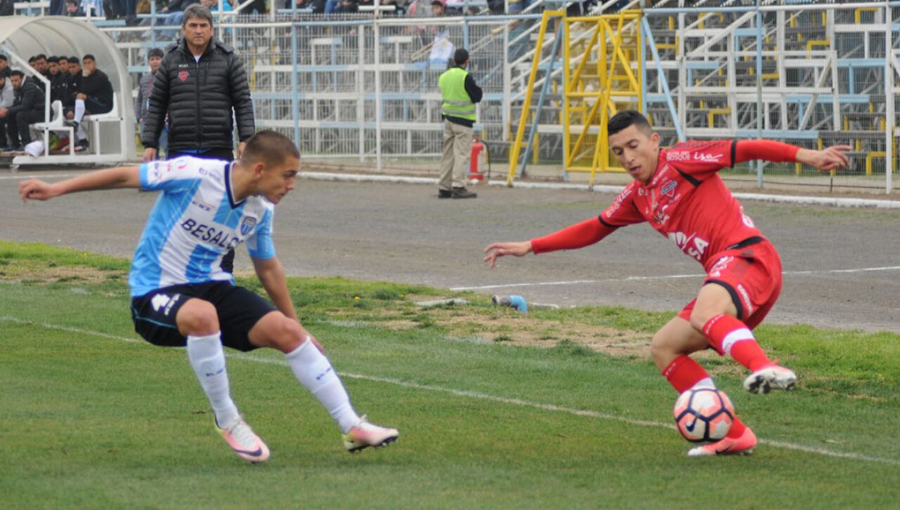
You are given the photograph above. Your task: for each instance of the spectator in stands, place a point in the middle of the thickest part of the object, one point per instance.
(73, 9)
(437, 8)
(315, 6)
(200, 83)
(348, 6)
(64, 79)
(57, 80)
(93, 96)
(7, 97)
(41, 65)
(74, 82)
(27, 108)
(141, 103)
(4, 66)
(178, 5)
(459, 94)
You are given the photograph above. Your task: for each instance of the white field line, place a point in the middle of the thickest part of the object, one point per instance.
(484, 396)
(668, 277)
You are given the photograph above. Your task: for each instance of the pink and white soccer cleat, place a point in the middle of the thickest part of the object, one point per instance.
(743, 445)
(245, 443)
(768, 378)
(365, 434)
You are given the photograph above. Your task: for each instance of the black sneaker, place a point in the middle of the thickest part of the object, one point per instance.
(82, 145)
(444, 193)
(463, 193)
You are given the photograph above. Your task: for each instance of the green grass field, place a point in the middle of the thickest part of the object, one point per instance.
(556, 409)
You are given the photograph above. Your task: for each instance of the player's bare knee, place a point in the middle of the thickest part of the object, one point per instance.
(659, 350)
(285, 334)
(197, 317)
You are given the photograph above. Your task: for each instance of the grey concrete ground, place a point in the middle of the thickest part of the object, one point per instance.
(403, 233)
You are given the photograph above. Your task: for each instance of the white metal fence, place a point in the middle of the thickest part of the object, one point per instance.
(358, 87)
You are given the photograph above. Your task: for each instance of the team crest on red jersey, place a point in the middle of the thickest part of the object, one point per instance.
(183, 75)
(668, 189)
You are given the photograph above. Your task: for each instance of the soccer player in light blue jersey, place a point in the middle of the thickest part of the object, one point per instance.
(182, 297)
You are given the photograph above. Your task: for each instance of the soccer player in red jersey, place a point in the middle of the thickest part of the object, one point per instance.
(679, 192)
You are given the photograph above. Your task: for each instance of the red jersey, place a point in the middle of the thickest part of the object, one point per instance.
(687, 201)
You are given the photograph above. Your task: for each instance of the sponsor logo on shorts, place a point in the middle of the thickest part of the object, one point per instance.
(164, 303)
(720, 265)
(746, 299)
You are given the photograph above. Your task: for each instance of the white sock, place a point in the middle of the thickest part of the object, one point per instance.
(208, 359)
(79, 110)
(706, 382)
(315, 373)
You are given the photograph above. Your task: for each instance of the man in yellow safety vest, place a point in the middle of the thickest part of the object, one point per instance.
(460, 93)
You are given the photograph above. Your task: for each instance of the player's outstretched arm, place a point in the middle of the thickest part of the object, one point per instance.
(495, 250)
(779, 152)
(826, 159)
(121, 177)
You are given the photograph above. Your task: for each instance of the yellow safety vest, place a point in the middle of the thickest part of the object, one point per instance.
(456, 101)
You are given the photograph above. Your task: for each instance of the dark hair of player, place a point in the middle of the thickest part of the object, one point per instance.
(624, 119)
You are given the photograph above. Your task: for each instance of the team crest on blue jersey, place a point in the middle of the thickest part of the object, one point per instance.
(247, 225)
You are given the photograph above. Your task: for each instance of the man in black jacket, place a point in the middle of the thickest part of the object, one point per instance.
(94, 95)
(27, 109)
(199, 83)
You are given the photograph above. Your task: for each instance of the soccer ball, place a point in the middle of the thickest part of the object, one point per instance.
(703, 414)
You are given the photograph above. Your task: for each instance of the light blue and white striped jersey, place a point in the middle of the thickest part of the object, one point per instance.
(194, 224)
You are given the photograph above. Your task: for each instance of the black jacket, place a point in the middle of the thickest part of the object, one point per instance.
(59, 84)
(97, 85)
(198, 98)
(72, 89)
(29, 97)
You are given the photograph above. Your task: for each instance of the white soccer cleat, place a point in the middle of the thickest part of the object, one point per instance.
(743, 445)
(771, 377)
(365, 434)
(245, 443)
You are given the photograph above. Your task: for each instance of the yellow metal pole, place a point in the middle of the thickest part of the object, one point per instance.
(523, 118)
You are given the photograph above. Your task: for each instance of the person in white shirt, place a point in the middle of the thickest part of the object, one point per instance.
(7, 96)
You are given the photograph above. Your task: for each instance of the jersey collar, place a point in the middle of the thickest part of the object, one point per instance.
(229, 188)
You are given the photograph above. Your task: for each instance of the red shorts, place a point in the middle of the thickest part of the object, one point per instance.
(752, 275)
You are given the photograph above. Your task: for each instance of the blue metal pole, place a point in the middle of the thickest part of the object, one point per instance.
(540, 105)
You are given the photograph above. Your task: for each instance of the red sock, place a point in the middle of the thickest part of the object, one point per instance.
(737, 429)
(683, 373)
(732, 337)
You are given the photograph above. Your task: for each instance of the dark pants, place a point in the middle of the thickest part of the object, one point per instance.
(3, 140)
(18, 126)
(223, 155)
(95, 106)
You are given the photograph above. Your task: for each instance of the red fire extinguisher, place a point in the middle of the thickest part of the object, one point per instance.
(476, 161)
